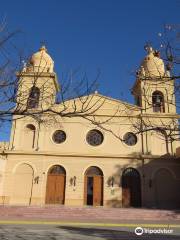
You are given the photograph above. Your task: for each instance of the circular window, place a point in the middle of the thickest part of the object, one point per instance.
(59, 136)
(94, 137)
(130, 139)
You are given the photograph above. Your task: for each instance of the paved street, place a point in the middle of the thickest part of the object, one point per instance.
(69, 223)
(60, 232)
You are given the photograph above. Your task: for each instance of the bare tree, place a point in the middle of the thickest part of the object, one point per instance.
(77, 96)
(24, 95)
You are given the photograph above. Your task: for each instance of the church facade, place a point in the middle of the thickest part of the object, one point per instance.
(76, 161)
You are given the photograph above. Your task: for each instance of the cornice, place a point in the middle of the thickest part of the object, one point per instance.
(83, 155)
(161, 115)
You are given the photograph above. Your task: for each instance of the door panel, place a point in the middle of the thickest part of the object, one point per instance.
(50, 189)
(55, 191)
(85, 190)
(60, 189)
(126, 197)
(97, 191)
(136, 192)
(90, 187)
(131, 189)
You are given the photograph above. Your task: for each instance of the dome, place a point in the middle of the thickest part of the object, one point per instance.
(41, 61)
(152, 65)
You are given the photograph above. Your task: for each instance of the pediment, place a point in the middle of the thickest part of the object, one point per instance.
(98, 104)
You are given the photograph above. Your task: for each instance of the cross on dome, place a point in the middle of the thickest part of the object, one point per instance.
(152, 65)
(41, 61)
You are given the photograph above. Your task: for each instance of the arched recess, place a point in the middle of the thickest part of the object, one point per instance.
(22, 184)
(29, 136)
(166, 190)
(33, 100)
(158, 102)
(55, 187)
(131, 188)
(93, 186)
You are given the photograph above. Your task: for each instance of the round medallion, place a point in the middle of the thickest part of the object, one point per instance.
(59, 136)
(130, 139)
(94, 137)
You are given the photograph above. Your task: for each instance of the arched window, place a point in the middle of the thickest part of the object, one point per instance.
(91, 171)
(158, 102)
(33, 100)
(57, 169)
(31, 127)
(29, 138)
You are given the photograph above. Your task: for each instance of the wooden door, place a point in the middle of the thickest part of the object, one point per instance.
(55, 190)
(126, 197)
(85, 190)
(60, 189)
(97, 191)
(131, 189)
(135, 192)
(50, 189)
(88, 191)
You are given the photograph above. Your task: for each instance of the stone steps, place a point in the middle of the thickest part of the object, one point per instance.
(86, 213)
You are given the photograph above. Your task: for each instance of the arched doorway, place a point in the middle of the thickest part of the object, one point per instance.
(166, 190)
(93, 187)
(23, 185)
(55, 188)
(131, 188)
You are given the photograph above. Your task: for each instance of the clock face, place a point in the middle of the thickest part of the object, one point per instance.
(130, 139)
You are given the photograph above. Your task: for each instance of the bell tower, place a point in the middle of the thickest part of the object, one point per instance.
(154, 88)
(38, 85)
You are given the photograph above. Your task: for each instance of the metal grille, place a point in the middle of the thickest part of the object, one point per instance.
(94, 171)
(130, 139)
(94, 137)
(57, 169)
(59, 136)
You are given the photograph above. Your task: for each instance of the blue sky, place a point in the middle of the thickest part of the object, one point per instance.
(92, 34)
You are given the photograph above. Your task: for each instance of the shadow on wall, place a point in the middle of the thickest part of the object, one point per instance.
(114, 182)
(159, 184)
(115, 202)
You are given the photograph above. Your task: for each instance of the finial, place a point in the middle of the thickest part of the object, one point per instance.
(157, 53)
(43, 48)
(24, 66)
(24, 63)
(148, 48)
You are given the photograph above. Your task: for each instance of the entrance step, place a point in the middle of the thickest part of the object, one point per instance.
(86, 213)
